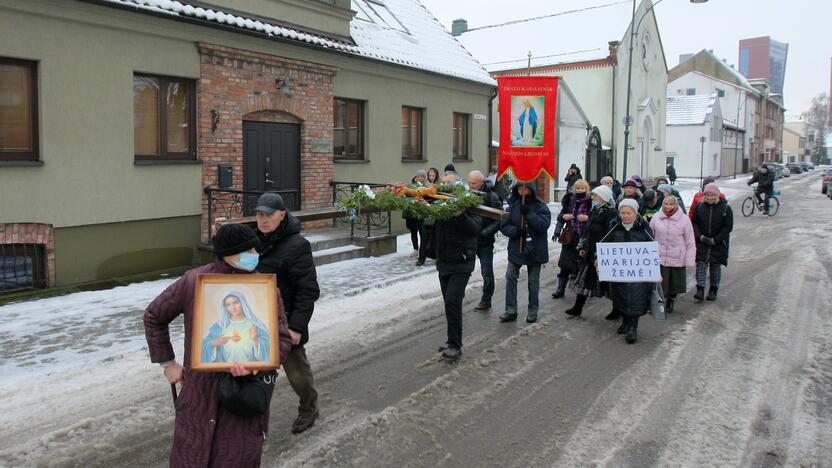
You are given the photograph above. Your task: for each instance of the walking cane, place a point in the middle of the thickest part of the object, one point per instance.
(173, 392)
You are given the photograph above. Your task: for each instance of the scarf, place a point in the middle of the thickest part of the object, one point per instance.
(579, 207)
(627, 227)
(669, 213)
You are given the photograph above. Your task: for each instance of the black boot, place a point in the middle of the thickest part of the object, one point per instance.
(508, 317)
(632, 332)
(576, 309)
(625, 325)
(613, 315)
(700, 293)
(561, 289)
(668, 307)
(712, 293)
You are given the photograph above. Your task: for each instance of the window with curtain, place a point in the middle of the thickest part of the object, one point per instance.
(460, 136)
(348, 130)
(18, 110)
(412, 131)
(164, 116)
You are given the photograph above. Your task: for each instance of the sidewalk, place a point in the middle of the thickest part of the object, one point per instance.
(62, 333)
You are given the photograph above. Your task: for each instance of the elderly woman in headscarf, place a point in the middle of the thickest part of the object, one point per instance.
(586, 282)
(630, 299)
(665, 188)
(573, 216)
(613, 184)
(206, 433)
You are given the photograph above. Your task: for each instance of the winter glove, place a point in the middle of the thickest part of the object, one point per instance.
(524, 209)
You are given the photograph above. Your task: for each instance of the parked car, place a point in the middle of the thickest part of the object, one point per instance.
(795, 168)
(785, 170)
(773, 167)
(811, 166)
(827, 181)
(805, 166)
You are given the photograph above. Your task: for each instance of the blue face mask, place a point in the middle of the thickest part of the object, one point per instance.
(248, 261)
(596, 203)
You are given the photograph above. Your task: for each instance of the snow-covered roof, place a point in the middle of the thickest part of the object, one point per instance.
(575, 36)
(425, 45)
(743, 81)
(689, 110)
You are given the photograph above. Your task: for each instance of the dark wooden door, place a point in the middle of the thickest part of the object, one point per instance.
(271, 162)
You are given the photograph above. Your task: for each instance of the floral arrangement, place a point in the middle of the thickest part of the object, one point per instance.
(437, 202)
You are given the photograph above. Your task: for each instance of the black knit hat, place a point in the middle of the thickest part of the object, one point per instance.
(450, 167)
(232, 239)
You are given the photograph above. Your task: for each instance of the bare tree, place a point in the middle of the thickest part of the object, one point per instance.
(817, 121)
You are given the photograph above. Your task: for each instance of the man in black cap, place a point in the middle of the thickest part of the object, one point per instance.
(286, 253)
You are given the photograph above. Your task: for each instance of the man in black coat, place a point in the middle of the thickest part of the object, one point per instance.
(287, 254)
(456, 254)
(526, 228)
(712, 226)
(485, 241)
(765, 185)
(572, 175)
(671, 174)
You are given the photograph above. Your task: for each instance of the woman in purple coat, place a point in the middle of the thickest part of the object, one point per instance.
(205, 433)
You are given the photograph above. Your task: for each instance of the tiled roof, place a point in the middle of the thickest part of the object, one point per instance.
(425, 45)
(689, 110)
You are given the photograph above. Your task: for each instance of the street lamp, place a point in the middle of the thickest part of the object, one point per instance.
(702, 140)
(628, 119)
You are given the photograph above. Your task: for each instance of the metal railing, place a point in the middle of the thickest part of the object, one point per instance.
(22, 267)
(368, 220)
(235, 203)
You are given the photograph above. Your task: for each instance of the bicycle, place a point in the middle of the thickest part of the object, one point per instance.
(750, 204)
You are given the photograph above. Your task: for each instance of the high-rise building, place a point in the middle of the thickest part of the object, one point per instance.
(763, 57)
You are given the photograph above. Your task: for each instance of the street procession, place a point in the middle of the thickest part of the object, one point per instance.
(387, 233)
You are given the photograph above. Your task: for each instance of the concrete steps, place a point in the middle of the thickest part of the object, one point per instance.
(333, 245)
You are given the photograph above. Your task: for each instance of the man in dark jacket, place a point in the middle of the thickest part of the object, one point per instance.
(671, 174)
(765, 185)
(287, 254)
(573, 174)
(712, 228)
(526, 228)
(456, 253)
(485, 241)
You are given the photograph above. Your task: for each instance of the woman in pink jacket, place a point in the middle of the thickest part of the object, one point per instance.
(673, 231)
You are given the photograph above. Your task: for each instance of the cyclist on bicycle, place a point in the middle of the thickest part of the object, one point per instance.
(765, 185)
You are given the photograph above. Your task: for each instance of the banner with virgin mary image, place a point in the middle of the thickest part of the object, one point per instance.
(527, 126)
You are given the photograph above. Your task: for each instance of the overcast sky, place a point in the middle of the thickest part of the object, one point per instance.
(684, 27)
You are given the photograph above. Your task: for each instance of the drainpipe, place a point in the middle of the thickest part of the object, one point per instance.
(490, 130)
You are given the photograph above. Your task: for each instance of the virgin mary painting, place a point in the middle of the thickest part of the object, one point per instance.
(239, 336)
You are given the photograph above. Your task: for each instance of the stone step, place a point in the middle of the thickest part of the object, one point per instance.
(337, 254)
(328, 239)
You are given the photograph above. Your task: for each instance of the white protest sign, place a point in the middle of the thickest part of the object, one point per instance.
(628, 262)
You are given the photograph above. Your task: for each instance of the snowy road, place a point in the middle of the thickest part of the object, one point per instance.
(745, 381)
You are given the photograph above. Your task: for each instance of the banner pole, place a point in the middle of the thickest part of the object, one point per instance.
(522, 222)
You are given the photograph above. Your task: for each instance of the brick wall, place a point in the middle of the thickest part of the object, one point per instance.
(32, 234)
(241, 85)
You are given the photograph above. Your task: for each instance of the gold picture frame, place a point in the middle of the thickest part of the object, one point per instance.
(234, 321)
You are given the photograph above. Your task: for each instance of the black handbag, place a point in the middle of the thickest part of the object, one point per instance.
(246, 396)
